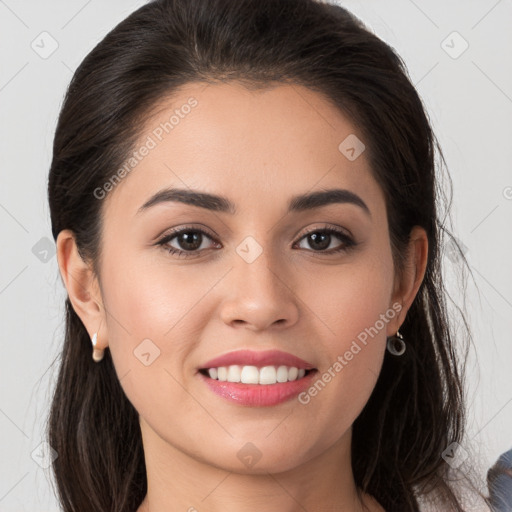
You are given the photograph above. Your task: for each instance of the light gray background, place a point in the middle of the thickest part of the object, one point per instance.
(469, 100)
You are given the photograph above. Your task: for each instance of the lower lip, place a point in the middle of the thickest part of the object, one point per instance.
(258, 395)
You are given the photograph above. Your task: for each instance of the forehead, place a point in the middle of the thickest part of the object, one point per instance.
(249, 145)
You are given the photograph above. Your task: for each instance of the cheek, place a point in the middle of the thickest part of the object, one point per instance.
(150, 316)
(351, 299)
(137, 310)
(157, 309)
(356, 336)
(353, 305)
(150, 297)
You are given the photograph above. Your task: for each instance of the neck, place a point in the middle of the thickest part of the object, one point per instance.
(180, 482)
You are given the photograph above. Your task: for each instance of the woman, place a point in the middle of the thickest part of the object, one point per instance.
(245, 204)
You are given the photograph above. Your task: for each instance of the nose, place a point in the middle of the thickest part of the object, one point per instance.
(259, 295)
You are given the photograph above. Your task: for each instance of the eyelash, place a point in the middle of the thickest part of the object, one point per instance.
(348, 242)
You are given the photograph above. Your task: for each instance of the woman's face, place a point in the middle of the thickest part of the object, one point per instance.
(253, 281)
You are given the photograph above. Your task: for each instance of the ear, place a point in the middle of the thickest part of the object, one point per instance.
(407, 284)
(82, 287)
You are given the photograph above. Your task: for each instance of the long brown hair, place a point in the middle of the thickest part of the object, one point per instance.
(417, 407)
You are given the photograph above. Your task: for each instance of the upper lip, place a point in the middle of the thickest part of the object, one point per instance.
(258, 358)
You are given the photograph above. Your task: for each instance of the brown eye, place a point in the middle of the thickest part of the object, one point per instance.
(320, 239)
(189, 242)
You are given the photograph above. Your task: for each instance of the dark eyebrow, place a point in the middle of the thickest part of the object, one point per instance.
(222, 204)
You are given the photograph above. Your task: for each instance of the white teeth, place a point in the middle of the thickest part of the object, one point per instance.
(234, 373)
(282, 374)
(255, 375)
(250, 375)
(268, 375)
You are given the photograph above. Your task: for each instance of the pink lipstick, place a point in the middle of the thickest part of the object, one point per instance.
(257, 378)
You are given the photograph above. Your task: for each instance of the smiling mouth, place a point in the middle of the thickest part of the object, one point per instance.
(265, 375)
